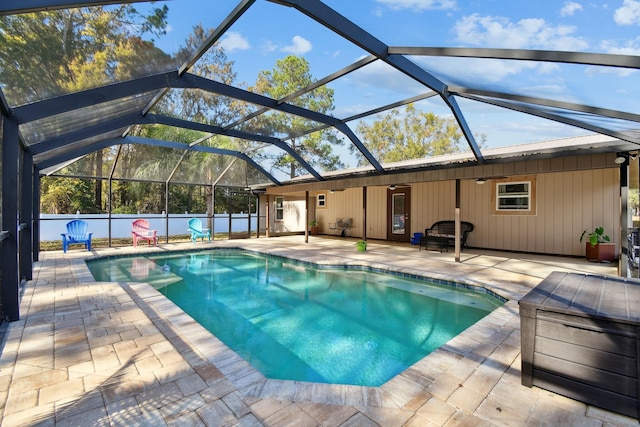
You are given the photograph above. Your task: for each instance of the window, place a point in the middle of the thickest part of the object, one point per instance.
(321, 199)
(279, 208)
(515, 196)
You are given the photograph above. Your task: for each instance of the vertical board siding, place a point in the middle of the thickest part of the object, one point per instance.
(342, 204)
(431, 202)
(546, 199)
(567, 203)
(377, 212)
(575, 224)
(558, 207)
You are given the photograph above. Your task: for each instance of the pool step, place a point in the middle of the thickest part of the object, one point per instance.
(144, 270)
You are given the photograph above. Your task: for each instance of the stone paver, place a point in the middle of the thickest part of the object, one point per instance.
(436, 411)
(119, 354)
(465, 399)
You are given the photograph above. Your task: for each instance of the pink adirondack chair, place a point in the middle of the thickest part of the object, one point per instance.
(140, 231)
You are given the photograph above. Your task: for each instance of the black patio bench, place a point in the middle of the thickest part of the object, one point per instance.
(442, 234)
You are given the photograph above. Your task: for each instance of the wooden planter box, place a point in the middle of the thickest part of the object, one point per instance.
(580, 339)
(600, 252)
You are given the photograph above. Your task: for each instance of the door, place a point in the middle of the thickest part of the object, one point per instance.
(398, 210)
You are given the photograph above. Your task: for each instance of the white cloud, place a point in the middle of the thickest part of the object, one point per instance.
(631, 48)
(501, 32)
(299, 46)
(593, 70)
(531, 33)
(474, 71)
(381, 76)
(234, 41)
(419, 4)
(570, 8)
(268, 46)
(353, 109)
(628, 14)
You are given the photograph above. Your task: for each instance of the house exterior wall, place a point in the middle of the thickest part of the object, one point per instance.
(567, 204)
(342, 204)
(431, 202)
(294, 215)
(377, 212)
(572, 194)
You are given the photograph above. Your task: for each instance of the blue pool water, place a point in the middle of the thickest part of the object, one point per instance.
(294, 321)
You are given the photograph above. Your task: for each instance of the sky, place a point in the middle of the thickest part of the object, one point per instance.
(268, 32)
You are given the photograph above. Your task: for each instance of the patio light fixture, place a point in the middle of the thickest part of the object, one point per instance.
(620, 158)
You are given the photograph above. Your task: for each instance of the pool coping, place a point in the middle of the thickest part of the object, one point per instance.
(474, 344)
(470, 285)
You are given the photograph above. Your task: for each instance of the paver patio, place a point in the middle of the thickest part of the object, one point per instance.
(115, 354)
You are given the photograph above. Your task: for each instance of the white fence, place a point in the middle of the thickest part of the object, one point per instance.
(51, 226)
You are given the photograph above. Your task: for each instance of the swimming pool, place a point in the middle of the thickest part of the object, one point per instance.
(293, 321)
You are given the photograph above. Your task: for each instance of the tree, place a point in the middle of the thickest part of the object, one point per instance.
(200, 106)
(195, 104)
(66, 195)
(55, 52)
(396, 137)
(288, 76)
(48, 53)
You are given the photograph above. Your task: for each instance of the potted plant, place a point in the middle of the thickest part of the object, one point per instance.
(361, 245)
(599, 246)
(314, 227)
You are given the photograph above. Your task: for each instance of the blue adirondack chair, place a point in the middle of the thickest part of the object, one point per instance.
(195, 227)
(76, 233)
